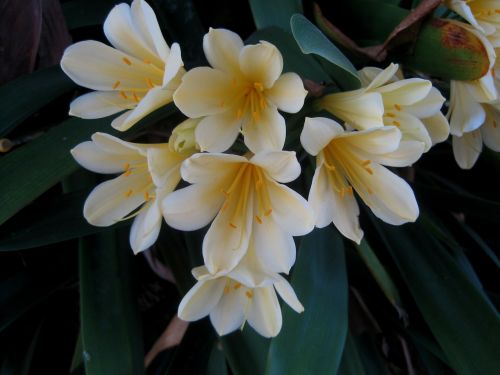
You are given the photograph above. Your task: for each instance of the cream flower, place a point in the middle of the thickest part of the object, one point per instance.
(352, 161)
(413, 105)
(148, 173)
(243, 90)
(249, 203)
(484, 15)
(468, 146)
(138, 76)
(230, 302)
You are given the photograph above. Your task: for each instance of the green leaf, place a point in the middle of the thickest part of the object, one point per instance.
(246, 351)
(320, 281)
(311, 40)
(352, 363)
(111, 332)
(464, 324)
(293, 58)
(274, 13)
(217, 362)
(480, 242)
(36, 228)
(27, 94)
(380, 274)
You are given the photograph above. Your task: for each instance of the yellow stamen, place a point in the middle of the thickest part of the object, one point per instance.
(226, 289)
(249, 294)
(117, 83)
(136, 98)
(495, 124)
(126, 166)
(237, 286)
(397, 106)
(124, 96)
(396, 123)
(390, 114)
(127, 61)
(258, 86)
(329, 166)
(259, 220)
(232, 226)
(369, 170)
(127, 173)
(268, 212)
(128, 193)
(365, 163)
(150, 82)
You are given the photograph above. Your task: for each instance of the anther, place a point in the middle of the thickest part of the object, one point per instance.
(127, 173)
(268, 212)
(365, 163)
(117, 83)
(136, 98)
(127, 61)
(369, 170)
(150, 82)
(249, 294)
(259, 220)
(495, 124)
(128, 193)
(329, 166)
(237, 286)
(258, 86)
(397, 106)
(124, 96)
(232, 226)
(390, 114)
(396, 123)
(146, 196)
(126, 166)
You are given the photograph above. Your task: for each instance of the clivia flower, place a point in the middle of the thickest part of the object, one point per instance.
(138, 75)
(147, 174)
(348, 162)
(230, 302)
(242, 91)
(249, 203)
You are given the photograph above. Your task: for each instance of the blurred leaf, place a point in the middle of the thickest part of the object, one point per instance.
(320, 281)
(77, 360)
(311, 40)
(380, 274)
(111, 332)
(246, 351)
(480, 242)
(351, 363)
(35, 167)
(217, 361)
(29, 93)
(274, 13)
(293, 58)
(464, 324)
(81, 13)
(65, 222)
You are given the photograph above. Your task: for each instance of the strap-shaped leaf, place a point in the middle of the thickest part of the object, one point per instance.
(311, 40)
(313, 342)
(274, 13)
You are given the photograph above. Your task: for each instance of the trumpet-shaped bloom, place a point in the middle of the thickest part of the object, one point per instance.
(468, 146)
(148, 173)
(138, 75)
(353, 161)
(484, 15)
(230, 302)
(412, 105)
(242, 91)
(249, 203)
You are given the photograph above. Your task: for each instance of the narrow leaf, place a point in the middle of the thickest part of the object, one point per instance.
(320, 281)
(246, 351)
(274, 13)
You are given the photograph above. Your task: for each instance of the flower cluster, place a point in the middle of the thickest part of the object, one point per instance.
(474, 105)
(252, 215)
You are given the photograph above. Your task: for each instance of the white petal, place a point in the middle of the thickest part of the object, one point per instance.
(123, 34)
(413, 129)
(281, 166)
(405, 92)
(290, 210)
(491, 131)
(99, 67)
(264, 313)
(373, 141)
(266, 133)
(145, 228)
(211, 168)
(222, 49)
(392, 199)
(467, 149)
(115, 145)
(438, 127)
(224, 244)
(286, 292)
(317, 133)
(466, 114)
(229, 314)
(217, 133)
(251, 270)
(407, 153)
(97, 105)
(201, 299)
(192, 207)
(382, 77)
(274, 247)
(287, 93)
(360, 109)
(145, 21)
(203, 92)
(429, 106)
(164, 166)
(329, 207)
(109, 201)
(173, 65)
(261, 63)
(155, 98)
